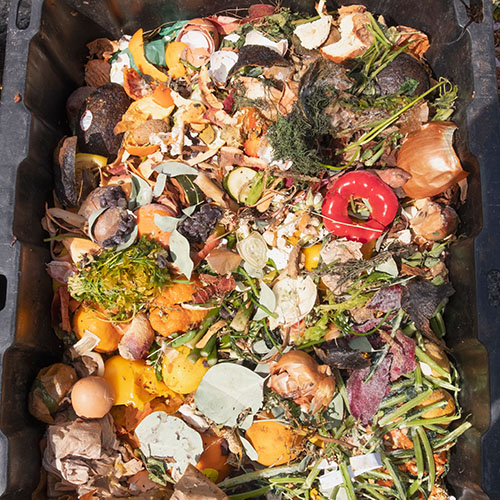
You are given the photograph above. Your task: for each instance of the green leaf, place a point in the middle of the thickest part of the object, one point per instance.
(130, 240)
(174, 168)
(141, 194)
(92, 220)
(167, 223)
(179, 250)
(266, 299)
(161, 180)
(255, 191)
(409, 86)
(155, 52)
(171, 31)
(229, 391)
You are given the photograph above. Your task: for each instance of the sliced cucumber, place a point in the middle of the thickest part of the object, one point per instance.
(245, 185)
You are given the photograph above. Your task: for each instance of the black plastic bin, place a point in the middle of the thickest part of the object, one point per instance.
(44, 63)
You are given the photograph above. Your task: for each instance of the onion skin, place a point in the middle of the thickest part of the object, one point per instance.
(429, 157)
(435, 222)
(297, 376)
(137, 340)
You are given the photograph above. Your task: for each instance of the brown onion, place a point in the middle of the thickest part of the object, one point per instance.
(297, 376)
(429, 157)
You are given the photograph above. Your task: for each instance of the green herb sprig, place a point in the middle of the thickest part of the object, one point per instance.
(122, 282)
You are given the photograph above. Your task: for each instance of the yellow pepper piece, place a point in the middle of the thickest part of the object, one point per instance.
(173, 54)
(180, 374)
(134, 382)
(136, 47)
(312, 255)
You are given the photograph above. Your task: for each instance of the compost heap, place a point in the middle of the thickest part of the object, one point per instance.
(249, 233)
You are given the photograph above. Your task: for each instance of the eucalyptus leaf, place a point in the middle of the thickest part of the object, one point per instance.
(129, 241)
(174, 168)
(142, 194)
(361, 344)
(166, 223)
(228, 390)
(334, 413)
(161, 180)
(189, 210)
(266, 299)
(161, 435)
(389, 267)
(179, 250)
(93, 218)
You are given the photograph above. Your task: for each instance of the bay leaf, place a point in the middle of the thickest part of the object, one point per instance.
(174, 168)
(266, 299)
(179, 250)
(226, 391)
(166, 223)
(161, 180)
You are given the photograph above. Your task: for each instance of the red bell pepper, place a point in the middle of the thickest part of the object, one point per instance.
(383, 205)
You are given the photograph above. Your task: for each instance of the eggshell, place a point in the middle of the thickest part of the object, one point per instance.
(92, 397)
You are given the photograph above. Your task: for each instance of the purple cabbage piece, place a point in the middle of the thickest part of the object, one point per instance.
(387, 299)
(403, 356)
(365, 397)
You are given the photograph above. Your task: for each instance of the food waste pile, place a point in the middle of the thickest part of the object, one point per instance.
(251, 219)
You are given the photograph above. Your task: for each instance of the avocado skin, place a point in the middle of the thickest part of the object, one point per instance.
(404, 66)
(99, 114)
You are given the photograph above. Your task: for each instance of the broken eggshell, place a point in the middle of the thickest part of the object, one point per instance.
(313, 34)
(221, 62)
(164, 436)
(72, 183)
(202, 39)
(355, 39)
(434, 222)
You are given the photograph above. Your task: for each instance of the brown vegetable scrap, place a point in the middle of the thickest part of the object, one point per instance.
(194, 485)
(297, 376)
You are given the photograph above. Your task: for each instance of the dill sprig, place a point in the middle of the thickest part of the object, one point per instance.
(295, 137)
(122, 282)
(444, 104)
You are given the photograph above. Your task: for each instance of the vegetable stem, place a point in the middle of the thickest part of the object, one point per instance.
(250, 494)
(386, 419)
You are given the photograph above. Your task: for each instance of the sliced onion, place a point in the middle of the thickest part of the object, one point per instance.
(253, 249)
(86, 344)
(97, 358)
(429, 157)
(295, 298)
